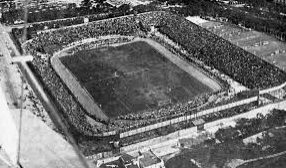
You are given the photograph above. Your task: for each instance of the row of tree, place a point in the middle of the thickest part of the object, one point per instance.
(246, 127)
(87, 7)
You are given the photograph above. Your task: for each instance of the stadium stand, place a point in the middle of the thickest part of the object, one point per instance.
(216, 52)
(212, 50)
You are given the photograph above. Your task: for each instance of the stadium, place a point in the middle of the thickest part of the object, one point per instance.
(115, 75)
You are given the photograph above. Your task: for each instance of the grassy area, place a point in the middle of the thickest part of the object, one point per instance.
(131, 78)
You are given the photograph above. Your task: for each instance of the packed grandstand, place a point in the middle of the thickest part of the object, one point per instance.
(200, 45)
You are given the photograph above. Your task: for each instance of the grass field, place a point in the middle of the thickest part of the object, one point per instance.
(132, 77)
(260, 44)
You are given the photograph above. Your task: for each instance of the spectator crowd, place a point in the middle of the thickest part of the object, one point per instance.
(242, 66)
(212, 50)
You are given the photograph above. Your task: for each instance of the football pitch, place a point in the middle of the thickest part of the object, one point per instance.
(132, 78)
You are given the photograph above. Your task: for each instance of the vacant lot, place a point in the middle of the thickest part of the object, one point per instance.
(131, 78)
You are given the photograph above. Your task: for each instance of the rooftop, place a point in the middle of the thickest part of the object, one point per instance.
(124, 161)
(198, 122)
(149, 158)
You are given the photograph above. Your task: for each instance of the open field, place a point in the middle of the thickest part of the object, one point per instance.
(132, 77)
(260, 44)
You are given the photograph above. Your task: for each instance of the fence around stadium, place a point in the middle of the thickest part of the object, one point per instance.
(192, 116)
(184, 133)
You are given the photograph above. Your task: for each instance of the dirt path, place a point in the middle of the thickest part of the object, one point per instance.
(238, 162)
(266, 157)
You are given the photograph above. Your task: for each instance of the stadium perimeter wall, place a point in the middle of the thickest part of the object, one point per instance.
(175, 136)
(199, 114)
(187, 117)
(272, 89)
(211, 126)
(208, 126)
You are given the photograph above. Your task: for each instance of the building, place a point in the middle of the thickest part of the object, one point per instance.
(199, 123)
(147, 159)
(124, 161)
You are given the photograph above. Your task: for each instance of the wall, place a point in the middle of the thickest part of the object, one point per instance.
(210, 127)
(187, 117)
(201, 113)
(159, 140)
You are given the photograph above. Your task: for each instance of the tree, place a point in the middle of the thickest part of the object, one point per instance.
(86, 4)
(227, 134)
(124, 8)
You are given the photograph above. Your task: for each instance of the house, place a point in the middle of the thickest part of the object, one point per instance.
(124, 161)
(147, 159)
(199, 123)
